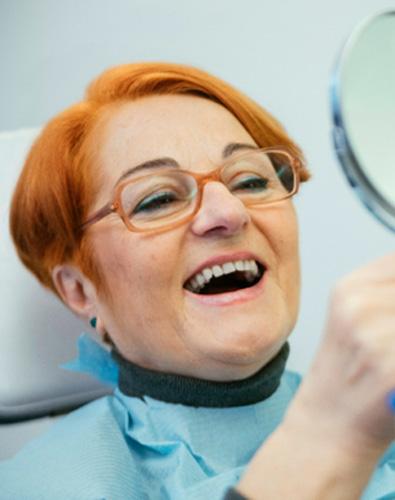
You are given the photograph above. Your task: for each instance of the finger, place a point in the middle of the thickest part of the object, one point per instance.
(381, 269)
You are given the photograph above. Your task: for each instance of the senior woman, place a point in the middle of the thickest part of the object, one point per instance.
(160, 209)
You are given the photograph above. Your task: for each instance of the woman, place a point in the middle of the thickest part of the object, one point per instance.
(159, 209)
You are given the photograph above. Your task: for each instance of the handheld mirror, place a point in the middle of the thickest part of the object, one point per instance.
(363, 111)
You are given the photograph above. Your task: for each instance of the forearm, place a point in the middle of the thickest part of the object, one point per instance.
(303, 466)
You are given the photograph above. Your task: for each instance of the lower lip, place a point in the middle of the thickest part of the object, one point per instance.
(230, 298)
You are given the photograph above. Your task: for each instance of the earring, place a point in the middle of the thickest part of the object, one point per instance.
(105, 337)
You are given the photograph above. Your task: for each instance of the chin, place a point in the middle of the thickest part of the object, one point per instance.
(248, 348)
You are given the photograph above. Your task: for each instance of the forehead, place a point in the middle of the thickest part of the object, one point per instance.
(190, 129)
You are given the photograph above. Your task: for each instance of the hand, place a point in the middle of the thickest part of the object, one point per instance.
(345, 393)
(339, 422)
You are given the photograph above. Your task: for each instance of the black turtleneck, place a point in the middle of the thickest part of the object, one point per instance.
(137, 381)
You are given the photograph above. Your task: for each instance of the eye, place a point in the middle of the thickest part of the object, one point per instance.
(155, 202)
(250, 183)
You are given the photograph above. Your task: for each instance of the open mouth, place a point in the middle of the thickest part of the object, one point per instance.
(225, 278)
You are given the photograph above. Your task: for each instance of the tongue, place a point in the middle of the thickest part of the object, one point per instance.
(227, 283)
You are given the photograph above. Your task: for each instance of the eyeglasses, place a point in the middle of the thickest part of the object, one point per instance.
(171, 196)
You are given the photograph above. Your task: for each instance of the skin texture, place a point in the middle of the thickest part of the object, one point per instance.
(150, 317)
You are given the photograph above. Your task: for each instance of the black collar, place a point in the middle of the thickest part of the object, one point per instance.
(138, 382)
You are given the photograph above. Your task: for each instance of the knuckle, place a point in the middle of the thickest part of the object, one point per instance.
(347, 305)
(352, 320)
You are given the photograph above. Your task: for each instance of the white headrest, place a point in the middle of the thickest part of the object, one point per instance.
(37, 332)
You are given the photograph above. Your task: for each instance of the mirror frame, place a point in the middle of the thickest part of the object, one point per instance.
(383, 210)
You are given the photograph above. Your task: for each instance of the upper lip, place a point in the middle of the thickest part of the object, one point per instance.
(221, 259)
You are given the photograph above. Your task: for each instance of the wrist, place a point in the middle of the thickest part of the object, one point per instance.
(330, 430)
(298, 461)
(336, 443)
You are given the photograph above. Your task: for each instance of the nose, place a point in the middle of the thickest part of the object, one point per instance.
(220, 213)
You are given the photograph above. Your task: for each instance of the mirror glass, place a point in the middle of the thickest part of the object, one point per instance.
(363, 105)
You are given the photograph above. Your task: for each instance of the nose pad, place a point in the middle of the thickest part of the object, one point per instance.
(220, 211)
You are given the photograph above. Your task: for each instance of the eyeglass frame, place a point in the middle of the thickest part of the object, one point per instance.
(115, 205)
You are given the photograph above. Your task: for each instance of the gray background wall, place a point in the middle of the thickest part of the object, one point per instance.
(280, 53)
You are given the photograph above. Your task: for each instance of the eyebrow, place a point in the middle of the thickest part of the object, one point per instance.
(236, 146)
(171, 162)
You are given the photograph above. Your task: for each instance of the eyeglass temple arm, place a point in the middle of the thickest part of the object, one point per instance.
(103, 212)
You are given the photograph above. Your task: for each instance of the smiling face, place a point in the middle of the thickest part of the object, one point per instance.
(154, 316)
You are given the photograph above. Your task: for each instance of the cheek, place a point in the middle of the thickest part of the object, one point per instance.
(135, 263)
(280, 227)
(289, 262)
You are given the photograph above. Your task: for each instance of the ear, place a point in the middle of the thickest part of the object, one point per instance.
(76, 290)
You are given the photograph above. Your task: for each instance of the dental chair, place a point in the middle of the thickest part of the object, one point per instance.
(37, 332)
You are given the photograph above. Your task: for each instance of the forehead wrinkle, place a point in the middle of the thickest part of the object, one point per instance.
(201, 157)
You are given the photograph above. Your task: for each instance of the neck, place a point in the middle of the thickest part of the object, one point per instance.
(136, 381)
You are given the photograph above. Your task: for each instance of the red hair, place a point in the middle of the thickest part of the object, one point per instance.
(54, 191)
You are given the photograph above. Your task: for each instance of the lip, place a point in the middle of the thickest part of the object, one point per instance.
(230, 298)
(221, 259)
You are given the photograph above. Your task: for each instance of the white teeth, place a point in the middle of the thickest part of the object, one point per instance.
(228, 268)
(253, 267)
(252, 270)
(249, 265)
(199, 280)
(194, 284)
(217, 271)
(239, 265)
(208, 274)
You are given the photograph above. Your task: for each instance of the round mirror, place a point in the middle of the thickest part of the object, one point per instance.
(363, 107)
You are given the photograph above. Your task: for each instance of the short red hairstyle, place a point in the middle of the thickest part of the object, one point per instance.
(54, 191)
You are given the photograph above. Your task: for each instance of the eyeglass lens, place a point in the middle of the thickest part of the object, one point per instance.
(169, 195)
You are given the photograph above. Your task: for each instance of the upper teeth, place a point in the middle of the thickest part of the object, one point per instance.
(199, 280)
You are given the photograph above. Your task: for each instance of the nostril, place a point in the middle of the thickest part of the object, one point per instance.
(217, 229)
(219, 222)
